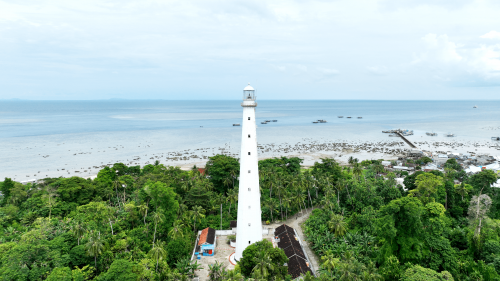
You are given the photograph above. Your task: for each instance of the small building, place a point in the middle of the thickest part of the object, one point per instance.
(207, 242)
(286, 239)
(234, 226)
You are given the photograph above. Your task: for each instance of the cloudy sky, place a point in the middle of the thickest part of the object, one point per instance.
(210, 49)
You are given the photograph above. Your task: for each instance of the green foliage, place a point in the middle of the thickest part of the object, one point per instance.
(122, 270)
(263, 253)
(60, 274)
(418, 273)
(220, 168)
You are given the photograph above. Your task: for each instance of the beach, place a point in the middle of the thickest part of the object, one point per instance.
(80, 138)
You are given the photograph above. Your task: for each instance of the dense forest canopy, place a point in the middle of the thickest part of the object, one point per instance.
(134, 223)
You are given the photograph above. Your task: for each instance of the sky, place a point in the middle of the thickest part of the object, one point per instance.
(211, 49)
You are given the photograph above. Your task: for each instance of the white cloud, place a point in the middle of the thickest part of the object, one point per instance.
(377, 70)
(457, 63)
(491, 35)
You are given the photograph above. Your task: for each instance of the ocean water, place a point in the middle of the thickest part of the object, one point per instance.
(41, 138)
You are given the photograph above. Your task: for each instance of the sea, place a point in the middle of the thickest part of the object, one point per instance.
(58, 138)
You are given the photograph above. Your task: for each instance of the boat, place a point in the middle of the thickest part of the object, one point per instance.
(236, 124)
(275, 120)
(450, 135)
(360, 117)
(268, 121)
(475, 106)
(322, 121)
(431, 134)
(495, 138)
(315, 122)
(348, 116)
(263, 122)
(393, 135)
(340, 116)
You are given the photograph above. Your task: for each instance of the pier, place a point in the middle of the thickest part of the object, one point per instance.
(405, 139)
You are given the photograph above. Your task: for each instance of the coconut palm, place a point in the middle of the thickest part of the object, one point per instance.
(158, 252)
(158, 217)
(271, 205)
(143, 209)
(232, 197)
(263, 265)
(217, 271)
(357, 170)
(176, 230)
(337, 225)
(197, 213)
(78, 230)
(94, 246)
(233, 275)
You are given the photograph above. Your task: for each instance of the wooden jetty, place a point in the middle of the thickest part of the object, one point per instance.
(406, 140)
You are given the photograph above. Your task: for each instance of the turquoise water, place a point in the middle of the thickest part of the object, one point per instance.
(44, 136)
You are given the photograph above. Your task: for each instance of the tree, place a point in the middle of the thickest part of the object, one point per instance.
(122, 270)
(232, 197)
(197, 213)
(263, 265)
(278, 258)
(427, 184)
(216, 271)
(94, 246)
(158, 217)
(60, 274)
(337, 225)
(78, 229)
(418, 273)
(219, 168)
(50, 200)
(479, 206)
(158, 253)
(177, 230)
(463, 189)
(5, 188)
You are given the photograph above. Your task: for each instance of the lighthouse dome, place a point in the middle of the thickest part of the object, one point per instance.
(249, 88)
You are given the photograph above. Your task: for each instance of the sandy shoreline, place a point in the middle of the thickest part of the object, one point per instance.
(309, 150)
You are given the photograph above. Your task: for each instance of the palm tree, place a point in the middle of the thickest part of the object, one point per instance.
(263, 265)
(50, 199)
(197, 214)
(78, 230)
(462, 189)
(143, 209)
(287, 200)
(337, 225)
(357, 170)
(117, 183)
(158, 253)
(158, 217)
(217, 271)
(232, 197)
(271, 205)
(94, 246)
(176, 230)
(330, 262)
(233, 275)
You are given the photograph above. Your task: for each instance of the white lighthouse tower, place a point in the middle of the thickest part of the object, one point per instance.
(249, 226)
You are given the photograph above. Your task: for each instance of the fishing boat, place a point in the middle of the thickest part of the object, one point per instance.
(393, 135)
(236, 124)
(348, 116)
(263, 122)
(268, 121)
(340, 116)
(275, 120)
(475, 106)
(495, 138)
(431, 134)
(315, 122)
(360, 117)
(322, 121)
(450, 135)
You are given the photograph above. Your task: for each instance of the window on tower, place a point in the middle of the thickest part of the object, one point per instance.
(248, 242)
(249, 171)
(249, 189)
(248, 118)
(248, 153)
(248, 224)
(248, 135)
(248, 207)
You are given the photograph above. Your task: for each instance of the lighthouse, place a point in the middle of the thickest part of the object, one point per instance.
(249, 226)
